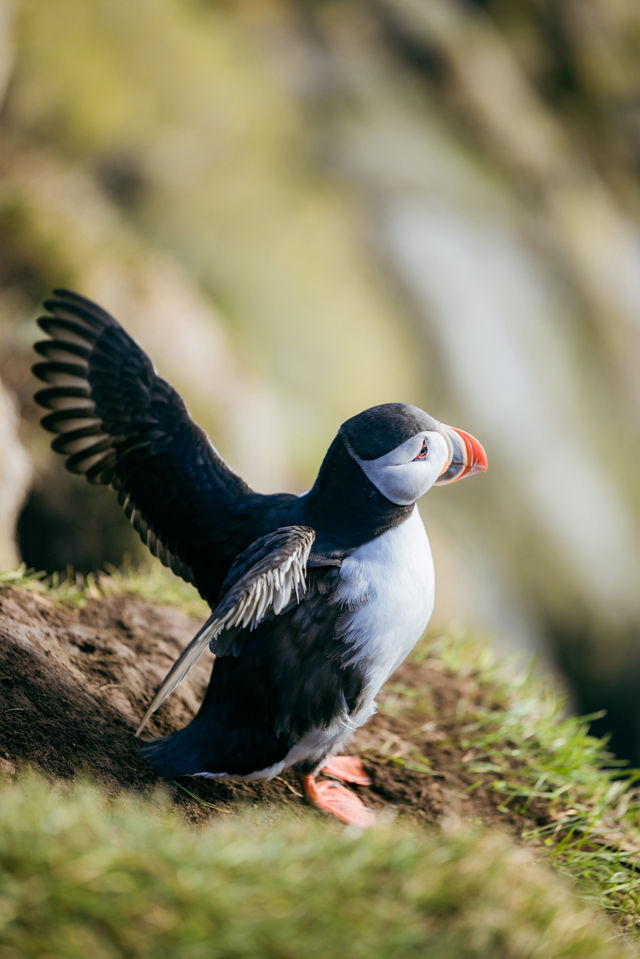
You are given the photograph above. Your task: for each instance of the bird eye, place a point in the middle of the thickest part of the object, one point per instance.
(422, 455)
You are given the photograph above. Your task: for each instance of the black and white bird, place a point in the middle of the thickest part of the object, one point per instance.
(316, 599)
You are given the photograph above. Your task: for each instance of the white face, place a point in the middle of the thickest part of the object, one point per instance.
(406, 473)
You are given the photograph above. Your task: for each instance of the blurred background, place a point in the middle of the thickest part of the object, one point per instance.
(303, 209)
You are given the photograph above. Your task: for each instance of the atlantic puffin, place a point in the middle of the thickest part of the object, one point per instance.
(316, 599)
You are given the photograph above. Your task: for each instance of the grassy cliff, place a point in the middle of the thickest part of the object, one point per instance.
(504, 830)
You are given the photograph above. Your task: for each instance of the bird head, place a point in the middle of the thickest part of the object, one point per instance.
(403, 451)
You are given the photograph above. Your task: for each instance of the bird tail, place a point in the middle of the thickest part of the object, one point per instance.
(174, 755)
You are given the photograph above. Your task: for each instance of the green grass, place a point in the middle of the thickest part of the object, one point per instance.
(572, 796)
(151, 581)
(554, 783)
(80, 875)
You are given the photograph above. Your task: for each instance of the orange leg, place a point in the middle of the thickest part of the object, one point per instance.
(331, 797)
(347, 768)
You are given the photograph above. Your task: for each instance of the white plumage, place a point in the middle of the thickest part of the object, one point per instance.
(389, 584)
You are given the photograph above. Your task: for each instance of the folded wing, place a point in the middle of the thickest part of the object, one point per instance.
(265, 577)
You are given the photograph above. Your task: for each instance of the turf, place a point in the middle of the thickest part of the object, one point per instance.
(81, 876)
(516, 834)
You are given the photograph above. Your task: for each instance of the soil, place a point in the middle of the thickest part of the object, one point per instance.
(74, 684)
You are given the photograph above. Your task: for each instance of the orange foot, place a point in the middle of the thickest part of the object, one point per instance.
(347, 768)
(331, 797)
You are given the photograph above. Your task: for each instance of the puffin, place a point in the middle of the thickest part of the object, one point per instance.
(315, 598)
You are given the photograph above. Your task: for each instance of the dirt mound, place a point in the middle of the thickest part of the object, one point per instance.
(74, 683)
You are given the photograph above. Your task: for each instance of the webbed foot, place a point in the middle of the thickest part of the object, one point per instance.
(349, 769)
(331, 797)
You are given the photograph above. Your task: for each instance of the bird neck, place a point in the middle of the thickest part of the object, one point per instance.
(344, 507)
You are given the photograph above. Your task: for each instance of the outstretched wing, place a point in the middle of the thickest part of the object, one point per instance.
(262, 578)
(120, 424)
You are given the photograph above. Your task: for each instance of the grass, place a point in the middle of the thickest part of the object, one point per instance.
(131, 878)
(152, 582)
(80, 875)
(569, 792)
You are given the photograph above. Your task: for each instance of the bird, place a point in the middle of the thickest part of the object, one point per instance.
(315, 599)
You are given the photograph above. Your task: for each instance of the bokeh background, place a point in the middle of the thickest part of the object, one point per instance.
(303, 209)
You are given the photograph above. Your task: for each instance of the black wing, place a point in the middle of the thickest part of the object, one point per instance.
(263, 578)
(272, 684)
(122, 425)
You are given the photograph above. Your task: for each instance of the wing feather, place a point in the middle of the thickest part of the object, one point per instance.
(265, 576)
(120, 424)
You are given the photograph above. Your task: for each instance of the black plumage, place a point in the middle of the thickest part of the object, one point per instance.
(122, 425)
(118, 422)
(291, 678)
(259, 704)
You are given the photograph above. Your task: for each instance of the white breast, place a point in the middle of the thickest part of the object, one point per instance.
(389, 585)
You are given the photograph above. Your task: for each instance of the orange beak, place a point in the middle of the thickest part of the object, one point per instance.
(467, 455)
